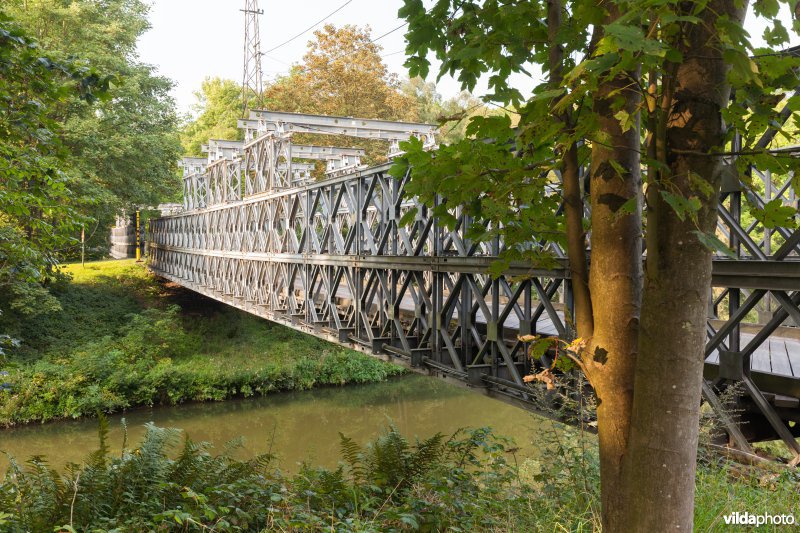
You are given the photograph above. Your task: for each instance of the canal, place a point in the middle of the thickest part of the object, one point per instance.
(297, 426)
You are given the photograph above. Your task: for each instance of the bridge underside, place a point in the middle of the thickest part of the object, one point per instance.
(331, 259)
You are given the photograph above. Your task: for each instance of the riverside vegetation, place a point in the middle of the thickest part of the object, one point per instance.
(107, 350)
(470, 481)
(123, 339)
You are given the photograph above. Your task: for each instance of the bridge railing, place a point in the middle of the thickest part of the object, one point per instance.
(332, 258)
(333, 254)
(357, 217)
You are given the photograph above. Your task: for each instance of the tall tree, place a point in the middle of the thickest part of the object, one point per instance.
(37, 217)
(218, 107)
(630, 84)
(342, 74)
(124, 150)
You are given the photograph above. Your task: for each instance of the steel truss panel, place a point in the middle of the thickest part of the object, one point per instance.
(355, 127)
(193, 165)
(332, 258)
(302, 151)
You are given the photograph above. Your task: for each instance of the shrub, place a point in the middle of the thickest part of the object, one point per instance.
(390, 484)
(155, 361)
(464, 482)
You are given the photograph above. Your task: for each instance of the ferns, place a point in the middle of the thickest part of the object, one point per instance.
(352, 454)
(428, 452)
(164, 484)
(391, 462)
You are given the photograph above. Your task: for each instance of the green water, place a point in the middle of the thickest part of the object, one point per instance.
(300, 426)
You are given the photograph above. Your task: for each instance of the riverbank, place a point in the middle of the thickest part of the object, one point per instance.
(468, 481)
(279, 422)
(125, 338)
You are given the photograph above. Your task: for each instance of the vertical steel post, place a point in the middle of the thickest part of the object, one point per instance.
(138, 238)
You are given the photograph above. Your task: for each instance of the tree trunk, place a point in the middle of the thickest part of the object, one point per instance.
(576, 243)
(571, 189)
(615, 282)
(660, 468)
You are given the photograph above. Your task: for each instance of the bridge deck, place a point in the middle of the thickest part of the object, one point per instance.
(778, 355)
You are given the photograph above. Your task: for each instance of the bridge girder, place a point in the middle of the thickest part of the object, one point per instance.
(332, 259)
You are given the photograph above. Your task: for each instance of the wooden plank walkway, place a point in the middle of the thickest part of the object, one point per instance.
(778, 355)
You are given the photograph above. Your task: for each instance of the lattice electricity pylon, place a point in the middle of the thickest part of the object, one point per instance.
(252, 82)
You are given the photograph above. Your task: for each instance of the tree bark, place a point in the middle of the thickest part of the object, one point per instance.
(571, 190)
(576, 243)
(660, 467)
(615, 282)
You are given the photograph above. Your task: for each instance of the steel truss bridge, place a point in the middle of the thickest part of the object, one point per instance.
(331, 258)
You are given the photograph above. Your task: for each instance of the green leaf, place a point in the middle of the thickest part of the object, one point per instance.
(598, 64)
(767, 8)
(540, 347)
(710, 241)
(682, 206)
(628, 208)
(409, 520)
(565, 364)
(627, 37)
(626, 120)
(742, 67)
(618, 168)
(408, 217)
(701, 185)
(775, 214)
(546, 95)
(498, 267)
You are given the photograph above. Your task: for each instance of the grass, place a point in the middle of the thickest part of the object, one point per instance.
(724, 488)
(101, 298)
(126, 338)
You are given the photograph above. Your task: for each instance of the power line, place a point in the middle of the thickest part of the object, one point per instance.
(276, 60)
(393, 53)
(351, 52)
(326, 17)
(340, 56)
(389, 32)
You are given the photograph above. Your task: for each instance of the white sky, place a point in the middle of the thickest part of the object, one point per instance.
(193, 39)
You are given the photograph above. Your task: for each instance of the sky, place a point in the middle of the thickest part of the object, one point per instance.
(193, 39)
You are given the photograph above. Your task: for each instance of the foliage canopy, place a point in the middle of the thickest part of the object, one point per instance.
(87, 130)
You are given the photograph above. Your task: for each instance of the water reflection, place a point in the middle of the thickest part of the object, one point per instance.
(299, 426)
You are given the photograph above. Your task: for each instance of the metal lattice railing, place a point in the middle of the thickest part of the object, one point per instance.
(332, 258)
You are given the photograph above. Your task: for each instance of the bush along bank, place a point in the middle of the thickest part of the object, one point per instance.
(470, 481)
(138, 348)
(461, 483)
